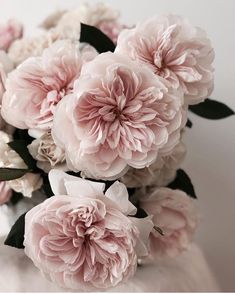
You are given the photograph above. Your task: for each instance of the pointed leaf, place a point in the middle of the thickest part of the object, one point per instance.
(211, 109)
(141, 213)
(16, 236)
(7, 174)
(189, 124)
(22, 135)
(96, 38)
(46, 186)
(182, 182)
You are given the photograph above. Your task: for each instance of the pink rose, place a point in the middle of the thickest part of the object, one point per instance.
(174, 49)
(160, 173)
(82, 238)
(5, 192)
(119, 115)
(38, 84)
(9, 32)
(176, 214)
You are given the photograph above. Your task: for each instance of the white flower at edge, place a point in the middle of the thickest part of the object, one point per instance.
(27, 184)
(9, 158)
(47, 153)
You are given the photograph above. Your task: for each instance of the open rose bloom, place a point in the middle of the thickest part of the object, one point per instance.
(119, 115)
(83, 238)
(92, 116)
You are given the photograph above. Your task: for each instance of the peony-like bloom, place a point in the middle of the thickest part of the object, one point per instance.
(160, 173)
(119, 115)
(5, 192)
(47, 154)
(176, 214)
(174, 49)
(9, 32)
(37, 85)
(27, 184)
(82, 238)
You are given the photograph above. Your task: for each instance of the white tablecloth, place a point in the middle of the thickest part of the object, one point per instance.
(187, 273)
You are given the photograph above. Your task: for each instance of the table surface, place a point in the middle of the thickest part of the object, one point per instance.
(211, 155)
(188, 272)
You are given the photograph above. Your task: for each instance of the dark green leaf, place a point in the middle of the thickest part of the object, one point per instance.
(46, 186)
(182, 182)
(15, 198)
(7, 174)
(96, 38)
(22, 135)
(16, 236)
(189, 124)
(211, 109)
(141, 213)
(20, 146)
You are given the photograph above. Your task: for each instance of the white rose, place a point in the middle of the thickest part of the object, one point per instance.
(27, 184)
(47, 154)
(160, 173)
(9, 158)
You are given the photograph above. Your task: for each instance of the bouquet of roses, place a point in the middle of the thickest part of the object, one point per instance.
(93, 114)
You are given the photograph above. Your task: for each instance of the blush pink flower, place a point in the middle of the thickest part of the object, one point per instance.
(38, 84)
(5, 192)
(82, 238)
(9, 32)
(119, 115)
(176, 214)
(174, 49)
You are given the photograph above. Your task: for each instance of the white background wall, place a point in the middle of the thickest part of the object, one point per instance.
(211, 144)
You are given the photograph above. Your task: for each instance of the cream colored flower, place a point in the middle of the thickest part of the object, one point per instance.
(47, 154)
(52, 20)
(9, 158)
(27, 184)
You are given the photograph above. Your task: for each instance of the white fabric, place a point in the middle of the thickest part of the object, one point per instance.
(187, 273)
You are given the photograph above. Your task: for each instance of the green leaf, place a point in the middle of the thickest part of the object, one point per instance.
(211, 109)
(189, 124)
(15, 197)
(46, 186)
(182, 182)
(96, 38)
(7, 174)
(141, 213)
(20, 146)
(22, 135)
(16, 236)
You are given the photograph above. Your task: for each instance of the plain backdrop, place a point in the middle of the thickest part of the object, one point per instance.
(210, 160)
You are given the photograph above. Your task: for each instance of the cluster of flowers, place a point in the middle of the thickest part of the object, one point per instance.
(117, 117)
